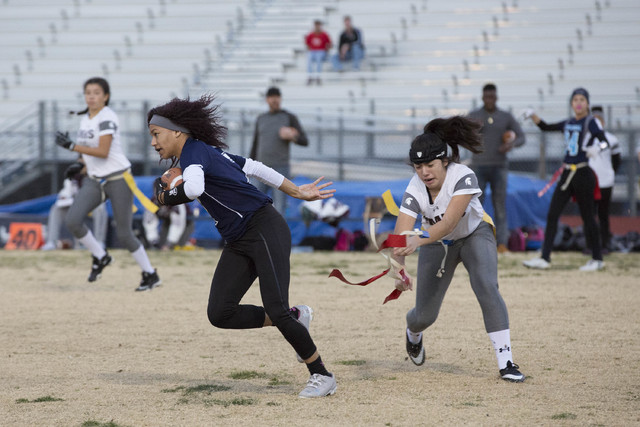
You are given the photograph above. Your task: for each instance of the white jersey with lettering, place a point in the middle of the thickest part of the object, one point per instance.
(459, 180)
(91, 129)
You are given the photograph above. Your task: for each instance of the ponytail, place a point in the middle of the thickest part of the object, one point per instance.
(456, 131)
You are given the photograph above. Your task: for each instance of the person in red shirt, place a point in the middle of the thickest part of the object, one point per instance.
(318, 44)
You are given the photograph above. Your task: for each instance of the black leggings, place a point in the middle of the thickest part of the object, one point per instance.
(262, 252)
(581, 186)
(603, 215)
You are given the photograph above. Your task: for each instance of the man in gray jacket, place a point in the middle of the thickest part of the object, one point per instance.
(275, 131)
(501, 132)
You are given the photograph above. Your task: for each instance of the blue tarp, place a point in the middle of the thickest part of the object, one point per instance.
(524, 207)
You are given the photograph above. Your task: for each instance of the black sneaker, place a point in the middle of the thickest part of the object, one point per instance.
(511, 373)
(149, 281)
(415, 351)
(97, 266)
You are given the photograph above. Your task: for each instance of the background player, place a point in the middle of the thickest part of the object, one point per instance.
(445, 193)
(98, 140)
(605, 165)
(578, 179)
(257, 238)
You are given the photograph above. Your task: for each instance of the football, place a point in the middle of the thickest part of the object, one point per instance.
(508, 137)
(171, 178)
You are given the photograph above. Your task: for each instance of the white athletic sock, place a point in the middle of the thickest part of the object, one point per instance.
(414, 337)
(91, 243)
(140, 255)
(501, 341)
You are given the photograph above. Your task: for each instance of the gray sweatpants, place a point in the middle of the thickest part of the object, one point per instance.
(478, 254)
(90, 196)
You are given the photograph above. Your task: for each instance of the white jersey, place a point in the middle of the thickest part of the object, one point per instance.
(103, 123)
(460, 180)
(601, 164)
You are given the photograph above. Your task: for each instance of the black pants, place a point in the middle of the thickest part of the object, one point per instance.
(263, 253)
(603, 216)
(581, 186)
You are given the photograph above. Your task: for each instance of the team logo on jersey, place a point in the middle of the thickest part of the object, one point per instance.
(408, 201)
(467, 181)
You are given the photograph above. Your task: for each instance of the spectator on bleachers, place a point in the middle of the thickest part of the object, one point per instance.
(350, 47)
(274, 132)
(584, 138)
(318, 44)
(501, 132)
(605, 165)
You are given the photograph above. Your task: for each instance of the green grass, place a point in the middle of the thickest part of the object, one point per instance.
(238, 401)
(275, 381)
(247, 375)
(356, 362)
(564, 416)
(40, 399)
(93, 423)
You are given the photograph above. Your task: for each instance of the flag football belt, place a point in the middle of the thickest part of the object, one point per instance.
(131, 183)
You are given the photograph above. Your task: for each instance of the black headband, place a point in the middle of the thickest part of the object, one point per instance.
(426, 156)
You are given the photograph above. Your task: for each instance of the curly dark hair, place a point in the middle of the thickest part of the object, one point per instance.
(454, 131)
(200, 117)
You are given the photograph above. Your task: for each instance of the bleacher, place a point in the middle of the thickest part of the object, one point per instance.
(423, 58)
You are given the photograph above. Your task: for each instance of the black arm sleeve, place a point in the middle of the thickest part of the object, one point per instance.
(546, 127)
(175, 196)
(616, 161)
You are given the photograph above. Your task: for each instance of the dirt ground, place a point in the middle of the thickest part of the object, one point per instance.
(75, 353)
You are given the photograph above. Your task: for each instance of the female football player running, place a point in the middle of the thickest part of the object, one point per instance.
(257, 238)
(98, 141)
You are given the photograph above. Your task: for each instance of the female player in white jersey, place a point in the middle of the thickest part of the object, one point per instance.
(445, 193)
(98, 141)
(257, 238)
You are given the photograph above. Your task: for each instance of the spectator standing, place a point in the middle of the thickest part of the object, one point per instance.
(581, 132)
(350, 47)
(318, 44)
(501, 132)
(274, 133)
(605, 164)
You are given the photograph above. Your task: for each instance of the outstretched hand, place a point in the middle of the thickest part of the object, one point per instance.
(313, 191)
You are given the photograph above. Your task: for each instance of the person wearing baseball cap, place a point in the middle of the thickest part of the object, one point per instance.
(585, 139)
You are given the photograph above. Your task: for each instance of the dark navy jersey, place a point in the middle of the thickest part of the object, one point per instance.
(228, 196)
(578, 134)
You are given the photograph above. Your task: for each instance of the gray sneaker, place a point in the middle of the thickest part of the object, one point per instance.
(319, 386)
(306, 315)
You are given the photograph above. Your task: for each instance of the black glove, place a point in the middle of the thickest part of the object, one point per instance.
(158, 187)
(62, 139)
(73, 170)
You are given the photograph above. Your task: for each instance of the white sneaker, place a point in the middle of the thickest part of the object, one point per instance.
(537, 263)
(305, 317)
(319, 386)
(592, 265)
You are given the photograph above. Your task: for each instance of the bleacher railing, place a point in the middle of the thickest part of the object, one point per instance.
(338, 142)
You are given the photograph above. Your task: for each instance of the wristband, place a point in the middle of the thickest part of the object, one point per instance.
(175, 196)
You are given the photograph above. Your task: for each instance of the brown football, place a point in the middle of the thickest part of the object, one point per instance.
(171, 178)
(508, 137)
